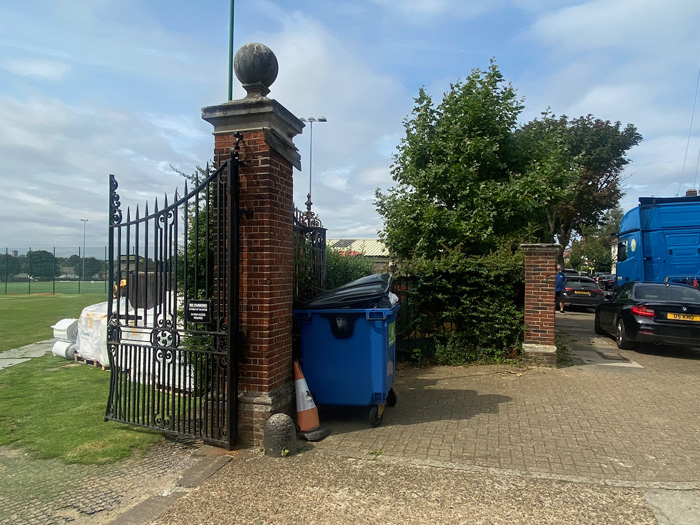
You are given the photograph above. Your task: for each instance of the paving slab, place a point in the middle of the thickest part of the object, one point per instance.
(24, 353)
(674, 507)
(589, 349)
(610, 440)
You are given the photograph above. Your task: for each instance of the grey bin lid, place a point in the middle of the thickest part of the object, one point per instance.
(368, 292)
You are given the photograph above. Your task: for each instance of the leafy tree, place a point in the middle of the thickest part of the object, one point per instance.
(594, 244)
(93, 266)
(9, 266)
(196, 259)
(40, 265)
(463, 201)
(594, 151)
(471, 184)
(344, 268)
(462, 181)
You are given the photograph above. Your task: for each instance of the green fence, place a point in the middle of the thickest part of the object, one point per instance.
(53, 270)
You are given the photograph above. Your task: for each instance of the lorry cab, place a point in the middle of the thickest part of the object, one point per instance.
(659, 241)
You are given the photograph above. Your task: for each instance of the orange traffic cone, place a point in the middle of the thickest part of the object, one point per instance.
(307, 413)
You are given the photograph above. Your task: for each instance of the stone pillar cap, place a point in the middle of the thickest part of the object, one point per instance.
(256, 67)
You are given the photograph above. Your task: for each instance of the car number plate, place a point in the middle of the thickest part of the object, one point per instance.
(683, 317)
(581, 292)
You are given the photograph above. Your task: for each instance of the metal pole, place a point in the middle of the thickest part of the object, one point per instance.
(230, 53)
(84, 224)
(311, 121)
(7, 268)
(311, 152)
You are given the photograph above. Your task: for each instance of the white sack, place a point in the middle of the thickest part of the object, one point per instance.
(64, 349)
(92, 333)
(66, 330)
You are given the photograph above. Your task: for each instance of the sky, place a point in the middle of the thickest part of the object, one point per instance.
(89, 89)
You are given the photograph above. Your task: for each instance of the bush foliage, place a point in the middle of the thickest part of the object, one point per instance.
(342, 269)
(471, 304)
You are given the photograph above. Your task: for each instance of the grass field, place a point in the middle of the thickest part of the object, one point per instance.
(50, 407)
(26, 319)
(53, 408)
(43, 287)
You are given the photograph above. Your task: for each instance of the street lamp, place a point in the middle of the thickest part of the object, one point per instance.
(84, 221)
(311, 121)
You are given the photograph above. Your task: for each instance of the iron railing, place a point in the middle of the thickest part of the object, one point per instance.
(173, 313)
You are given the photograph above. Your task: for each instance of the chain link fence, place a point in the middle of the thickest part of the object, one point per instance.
(31, 270)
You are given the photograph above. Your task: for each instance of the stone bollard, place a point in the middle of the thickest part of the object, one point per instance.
(280, 437)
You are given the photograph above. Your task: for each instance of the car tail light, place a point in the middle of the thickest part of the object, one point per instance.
(642, 311)
(568, 289)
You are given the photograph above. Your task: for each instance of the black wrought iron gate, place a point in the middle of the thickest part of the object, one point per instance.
(173, 313)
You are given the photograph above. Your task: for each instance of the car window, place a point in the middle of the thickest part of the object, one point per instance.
(625, 291)
(649, 293)
(582, 284)
(682, 294)
(622, 251)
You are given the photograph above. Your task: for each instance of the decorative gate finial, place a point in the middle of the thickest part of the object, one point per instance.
(256, 67)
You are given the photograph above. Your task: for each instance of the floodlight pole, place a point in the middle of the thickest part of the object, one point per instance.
(311, 121)
(84, 221)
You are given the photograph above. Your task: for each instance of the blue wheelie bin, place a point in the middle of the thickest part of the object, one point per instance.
(348, 345)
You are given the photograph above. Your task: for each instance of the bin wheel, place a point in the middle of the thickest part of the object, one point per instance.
(391, 398)
(374, 418)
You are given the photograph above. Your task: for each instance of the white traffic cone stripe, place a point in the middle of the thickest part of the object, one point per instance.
(304, 399)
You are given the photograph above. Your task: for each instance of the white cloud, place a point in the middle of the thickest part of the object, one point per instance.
(47, 69)
(132, 78)
(628, 26)
(421, 12)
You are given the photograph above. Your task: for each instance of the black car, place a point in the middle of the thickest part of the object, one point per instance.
(581, 291)
(605, 281)
(659, 313)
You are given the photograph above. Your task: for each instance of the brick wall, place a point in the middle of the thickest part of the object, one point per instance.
(539, 342)
(266, 262)
(266, 277)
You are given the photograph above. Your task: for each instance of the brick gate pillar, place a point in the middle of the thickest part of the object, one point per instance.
(267, 159)
(539, 348)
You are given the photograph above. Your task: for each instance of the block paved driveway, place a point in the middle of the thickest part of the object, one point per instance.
(618, 416)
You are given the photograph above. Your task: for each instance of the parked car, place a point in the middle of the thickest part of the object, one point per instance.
(606, 281)
(581, 291)
(659, 313)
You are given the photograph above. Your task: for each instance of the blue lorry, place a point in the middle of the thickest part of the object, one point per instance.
(659, 241)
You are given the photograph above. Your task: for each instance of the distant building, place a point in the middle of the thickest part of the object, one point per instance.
(373, 249)
(67, 272)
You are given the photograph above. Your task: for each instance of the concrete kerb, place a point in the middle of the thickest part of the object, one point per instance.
(211, 461)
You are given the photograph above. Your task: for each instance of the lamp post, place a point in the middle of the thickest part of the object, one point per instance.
(84, 221)
(311, 121)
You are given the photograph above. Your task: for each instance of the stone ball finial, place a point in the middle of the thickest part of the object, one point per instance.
(256, 67)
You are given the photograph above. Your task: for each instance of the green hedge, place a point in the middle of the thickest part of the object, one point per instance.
(473, 305)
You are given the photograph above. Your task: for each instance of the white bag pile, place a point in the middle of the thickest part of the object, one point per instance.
(65, 334)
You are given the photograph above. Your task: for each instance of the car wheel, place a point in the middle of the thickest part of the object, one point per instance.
(596, 326)
(622, 342)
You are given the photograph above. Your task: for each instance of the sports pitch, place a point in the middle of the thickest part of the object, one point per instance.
(50, 287)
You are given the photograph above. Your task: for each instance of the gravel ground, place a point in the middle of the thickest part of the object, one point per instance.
(318, 488)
